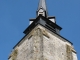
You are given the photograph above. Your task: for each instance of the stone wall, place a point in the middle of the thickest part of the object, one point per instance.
(54, 48)
(42, 44)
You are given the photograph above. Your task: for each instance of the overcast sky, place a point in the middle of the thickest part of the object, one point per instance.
(15, 15)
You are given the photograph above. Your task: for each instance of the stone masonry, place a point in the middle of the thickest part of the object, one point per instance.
(42, 44)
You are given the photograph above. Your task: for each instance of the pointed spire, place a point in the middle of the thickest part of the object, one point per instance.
(42, 5)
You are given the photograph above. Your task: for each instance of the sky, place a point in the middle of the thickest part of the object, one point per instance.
(15, 15)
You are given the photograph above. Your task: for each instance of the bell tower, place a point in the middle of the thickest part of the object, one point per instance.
(42, 40)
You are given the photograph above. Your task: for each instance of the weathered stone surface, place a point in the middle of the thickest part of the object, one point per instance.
(42, 44)
(74, 56)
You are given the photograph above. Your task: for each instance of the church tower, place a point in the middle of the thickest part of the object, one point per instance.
(42, 40)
